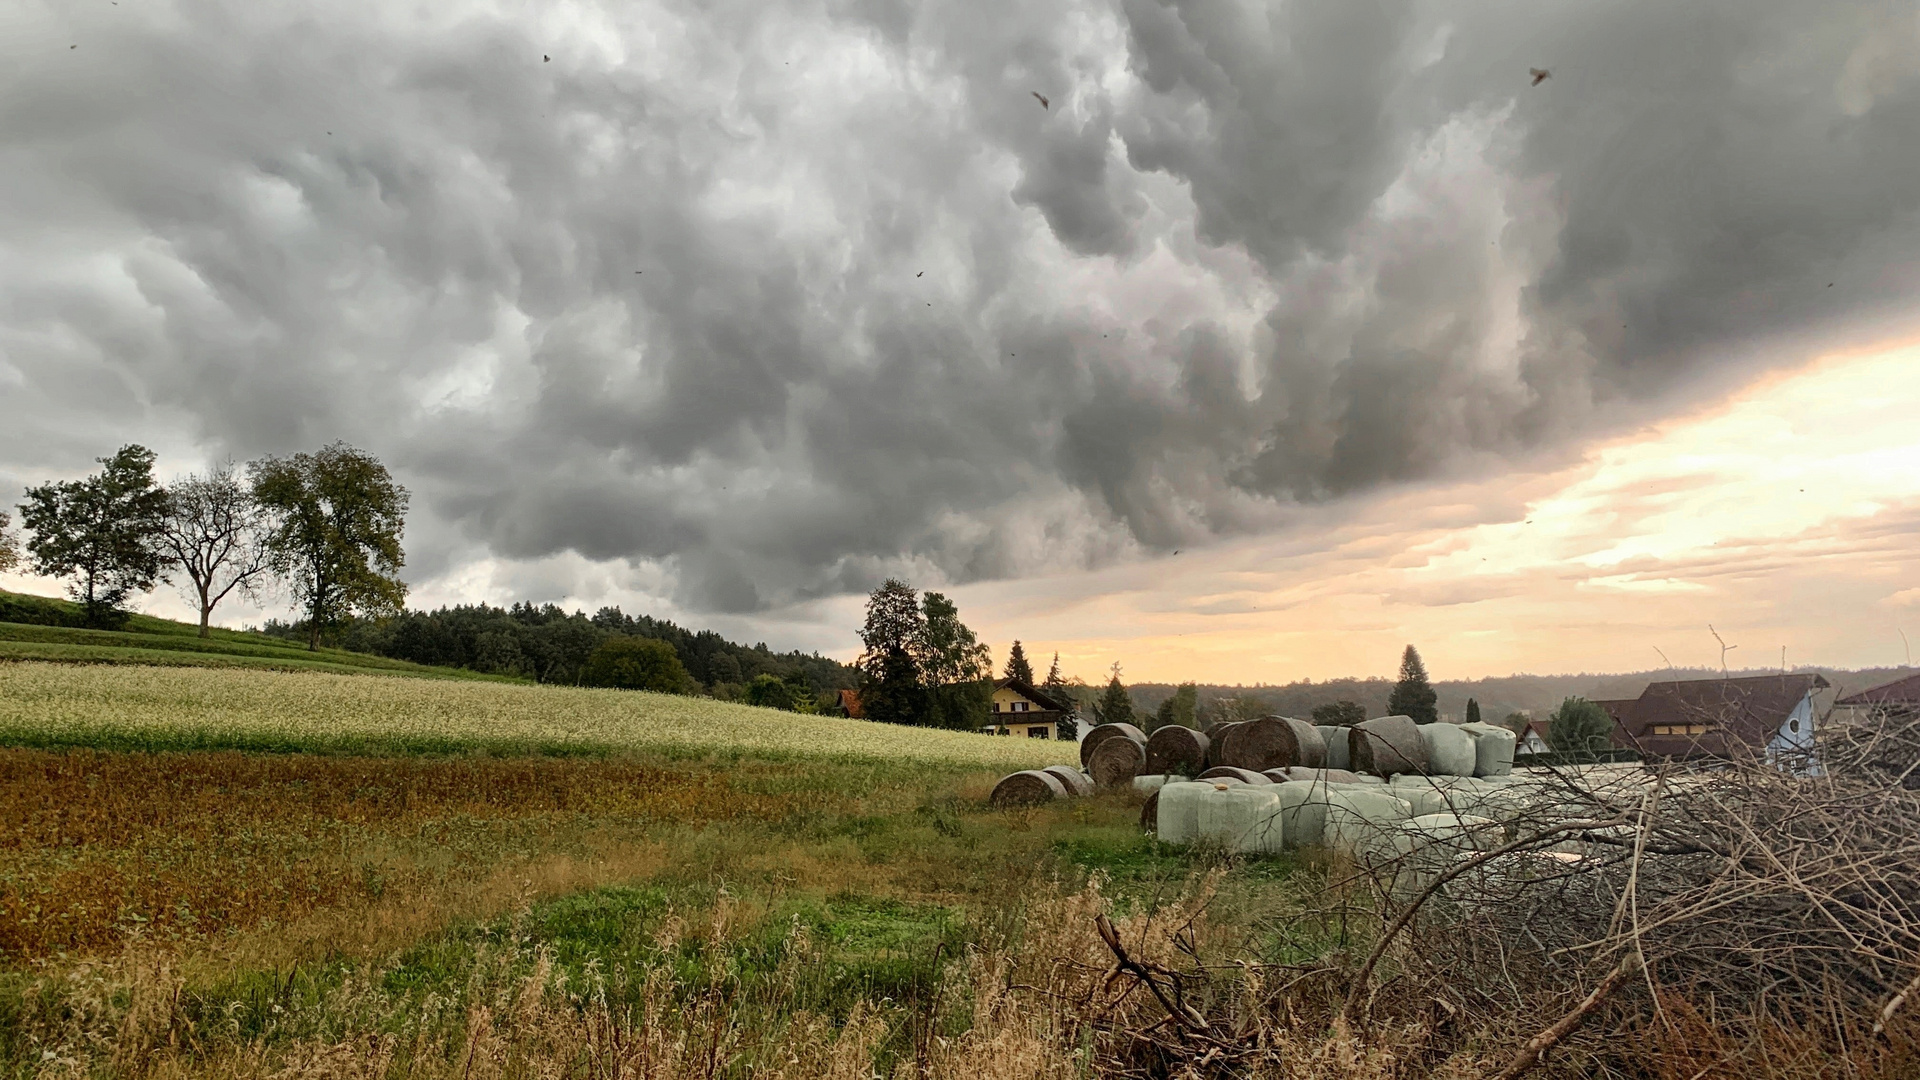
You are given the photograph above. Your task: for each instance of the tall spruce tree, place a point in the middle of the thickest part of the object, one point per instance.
(1056, 688)
(1114, 706)
(1017, 666)
(1473, 711)
(1413, 695)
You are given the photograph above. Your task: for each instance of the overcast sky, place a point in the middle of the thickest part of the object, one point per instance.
(726, 311)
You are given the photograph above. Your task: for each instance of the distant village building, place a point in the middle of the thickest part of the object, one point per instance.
(1023, 710)
(1533, 738)
(849, 705)
(1772, 715)
(1900, 697)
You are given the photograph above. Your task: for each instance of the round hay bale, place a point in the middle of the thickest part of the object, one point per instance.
(1101, 733)
(1176, 749)
(1272, 742)
(1028, 788)
(1215, 736)
(1150, 813)
(1075, 781)
(1449, 750)
(1335, 738)
(1386, 746)
(1117, 760)
(1245, 776)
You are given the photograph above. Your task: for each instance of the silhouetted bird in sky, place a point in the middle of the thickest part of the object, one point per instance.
(922, 273)
(1540, 75)
(545, 59)
(1042, 99)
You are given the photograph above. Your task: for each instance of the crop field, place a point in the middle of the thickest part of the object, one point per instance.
(153, 708)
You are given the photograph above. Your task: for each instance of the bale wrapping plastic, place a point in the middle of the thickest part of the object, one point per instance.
(1101, 733)
(1360, 819)
(1152, 782)
(1272, 742)
(1028, 788)
(1493, 748)
(1118, 759)
(1177, 815)
(1386, 746)
(1076, 782)
(1245, 776)
(1303, 812)
(1449, 750)
(1176, 749)
(1326, 776)
(1243, 820)
(1334, 738)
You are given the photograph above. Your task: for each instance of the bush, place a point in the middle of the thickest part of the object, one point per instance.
(637, 663)
(769, 692)
(1580, 726)
(1339, 713)
(39, 610)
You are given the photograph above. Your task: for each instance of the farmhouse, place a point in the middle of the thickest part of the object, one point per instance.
(849, 705)
(1019, 708)
(1533, 738)
(1717, 718)
(1900, 698)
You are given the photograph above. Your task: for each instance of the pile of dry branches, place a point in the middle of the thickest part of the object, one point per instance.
(1745, 917)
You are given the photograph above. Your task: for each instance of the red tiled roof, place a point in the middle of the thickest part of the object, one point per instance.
(850, 704)
(1898, 692)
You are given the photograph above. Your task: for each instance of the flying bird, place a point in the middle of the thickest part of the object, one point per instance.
(1042, 99)
(1540, 75)
(922, 273)
(545, 59)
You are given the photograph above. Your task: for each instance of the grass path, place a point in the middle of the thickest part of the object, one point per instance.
(197, 708)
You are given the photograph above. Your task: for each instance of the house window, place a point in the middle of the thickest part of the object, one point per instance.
(996, 706)
(1021, 706)
(1037, 733)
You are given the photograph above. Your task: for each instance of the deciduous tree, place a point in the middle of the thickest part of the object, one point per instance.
(637, 663)
(9, 544)
(103, 529)
(1341, 713)
(335, 519)
(1579, 727)
(1413, 695)
(214, 530)
(892, 638)
(955, 667)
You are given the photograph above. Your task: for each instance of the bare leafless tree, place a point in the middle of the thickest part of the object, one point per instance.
(214, 531)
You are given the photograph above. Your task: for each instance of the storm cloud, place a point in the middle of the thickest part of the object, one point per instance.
(768, 300)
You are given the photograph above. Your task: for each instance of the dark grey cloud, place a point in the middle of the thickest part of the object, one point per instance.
(657, 301)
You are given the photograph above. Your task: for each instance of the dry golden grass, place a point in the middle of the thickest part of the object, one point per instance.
(206, 708)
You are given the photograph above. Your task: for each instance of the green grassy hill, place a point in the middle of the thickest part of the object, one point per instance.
(39, 628)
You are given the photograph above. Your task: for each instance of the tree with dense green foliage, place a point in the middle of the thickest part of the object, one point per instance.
(1057, 688)
(956, 668)
(1114, 706)
(1579, 727)
(1473, 711)
(1517, 722)
(769, 691)
(637, 663)
(1413, 695)
(103, 529)
(1017, 666)
(335, 519)
(1341, 713)
(213, 531)
(9, 544)
(1179, 709)
(892, 638)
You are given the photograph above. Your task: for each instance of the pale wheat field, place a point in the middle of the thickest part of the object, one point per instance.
(188, 708)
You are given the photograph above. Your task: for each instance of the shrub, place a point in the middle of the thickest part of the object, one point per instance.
(636, 663)
(1580, 726)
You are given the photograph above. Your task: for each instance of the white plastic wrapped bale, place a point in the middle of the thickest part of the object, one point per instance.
(1424, 846)
(1449, 750)
(1242, 818)
(1152, 782)
(1177, 818)
(1492, 749)
(1303, 812)
(1336, 740)
(1456, 794)
(1359, 819)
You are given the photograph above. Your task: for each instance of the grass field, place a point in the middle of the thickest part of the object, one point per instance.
(183, 708)
(147, 640)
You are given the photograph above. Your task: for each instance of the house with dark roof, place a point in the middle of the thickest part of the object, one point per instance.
(1024, 710)
(1900, 697)
(1770, 715)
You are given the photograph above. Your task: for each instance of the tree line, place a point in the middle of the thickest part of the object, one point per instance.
(324, 525)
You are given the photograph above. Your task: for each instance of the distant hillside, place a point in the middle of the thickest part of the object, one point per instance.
(1535, 695)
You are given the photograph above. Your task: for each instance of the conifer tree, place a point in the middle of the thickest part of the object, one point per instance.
(1473, 711)
(1114, 706)
(1413, 695)
(1017, 666)
(1056, 688)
